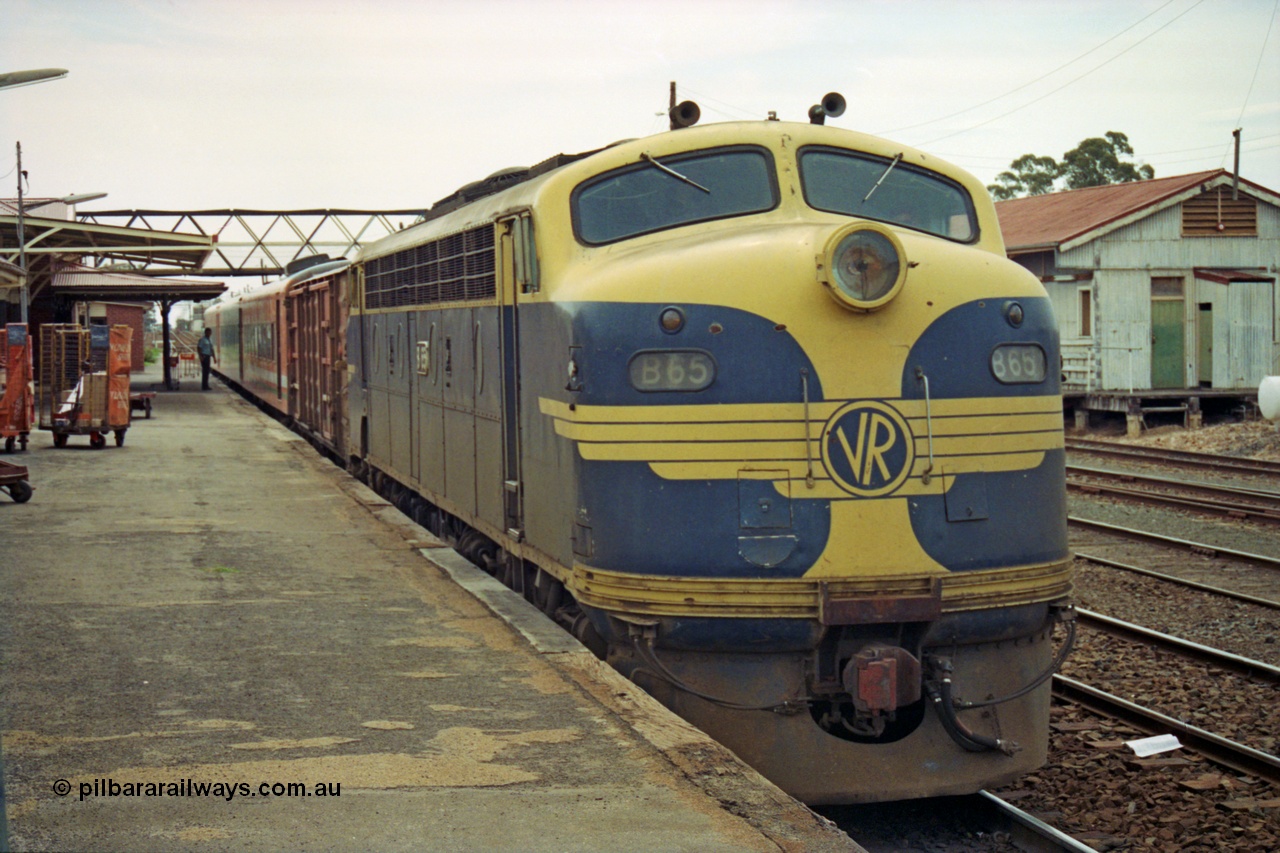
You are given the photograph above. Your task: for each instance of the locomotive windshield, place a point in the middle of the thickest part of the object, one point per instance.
(659, 193)
(886, 190)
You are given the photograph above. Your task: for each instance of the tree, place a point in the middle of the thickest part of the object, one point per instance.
(1028, 175)
(1094, 162)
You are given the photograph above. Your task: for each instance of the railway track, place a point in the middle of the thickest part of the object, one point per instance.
(980, 822)
(1197, 651)
(1201, 548)
(1183, 582)
(1232, 501)
(1165, 456)
(1214, 793)
(1220, 750)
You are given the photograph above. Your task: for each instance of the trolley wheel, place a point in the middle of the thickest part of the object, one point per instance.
(9, 444)
(22, 442)
(97, 440)
(119, 438)
(20, 491)
(59, 439)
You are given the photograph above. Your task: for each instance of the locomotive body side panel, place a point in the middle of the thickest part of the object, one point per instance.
(549, 462)
(487, 355)
(429, 400)
(459, 409)
(399, 406)
(380, 424)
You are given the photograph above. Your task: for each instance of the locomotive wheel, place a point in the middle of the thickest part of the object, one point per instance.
(97, 440)
(119, 438)
(20, 491)
(59, 439)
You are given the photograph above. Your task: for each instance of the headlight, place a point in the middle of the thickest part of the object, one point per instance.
(863, 267)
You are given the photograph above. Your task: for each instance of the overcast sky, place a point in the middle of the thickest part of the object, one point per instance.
(382, 104)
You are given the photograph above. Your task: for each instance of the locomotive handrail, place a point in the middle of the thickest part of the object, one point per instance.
(928, 421)
(808, 434)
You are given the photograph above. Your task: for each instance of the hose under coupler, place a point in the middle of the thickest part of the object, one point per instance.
(939, 691)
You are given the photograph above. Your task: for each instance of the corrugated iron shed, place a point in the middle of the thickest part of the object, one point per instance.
(1039, 222)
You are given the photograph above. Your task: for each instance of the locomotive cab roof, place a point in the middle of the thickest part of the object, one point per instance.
(517, 188)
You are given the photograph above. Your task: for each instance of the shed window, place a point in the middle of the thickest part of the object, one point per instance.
(1166, 288)
(1216, 214)
(1086, 312)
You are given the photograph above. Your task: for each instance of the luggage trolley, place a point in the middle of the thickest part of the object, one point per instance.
(84, 382)
(17, 401)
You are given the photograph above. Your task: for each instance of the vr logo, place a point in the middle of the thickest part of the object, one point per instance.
(868, 448)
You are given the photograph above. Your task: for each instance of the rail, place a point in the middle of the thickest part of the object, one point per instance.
(1190, 584)
(1207, 654)
(1256, 504)
(1197, 547)
(1173, 457)
(1026, 832)
(1218, 749)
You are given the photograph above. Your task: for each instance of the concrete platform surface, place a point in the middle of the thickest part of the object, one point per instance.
(195, 621)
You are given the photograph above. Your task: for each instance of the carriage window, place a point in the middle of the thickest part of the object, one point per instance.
(886, 190)
(666, 191)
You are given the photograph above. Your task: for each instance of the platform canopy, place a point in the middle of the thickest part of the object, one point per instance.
(10, 274)
(85, 283)
(68, 237)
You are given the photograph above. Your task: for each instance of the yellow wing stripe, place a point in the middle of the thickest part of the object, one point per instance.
(719, 442)
(801, 597)
(818, 410)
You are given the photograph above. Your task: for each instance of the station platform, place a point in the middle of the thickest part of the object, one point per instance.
(213, 639)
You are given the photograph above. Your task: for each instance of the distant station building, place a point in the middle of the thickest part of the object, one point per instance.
(1164, 290)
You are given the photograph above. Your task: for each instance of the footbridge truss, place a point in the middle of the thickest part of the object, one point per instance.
(258, 242)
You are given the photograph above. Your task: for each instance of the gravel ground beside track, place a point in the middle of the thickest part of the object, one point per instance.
(1096, 789)
(1248, 630)
(1195, 692)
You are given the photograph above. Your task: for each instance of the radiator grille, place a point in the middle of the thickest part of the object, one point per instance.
(457, 268)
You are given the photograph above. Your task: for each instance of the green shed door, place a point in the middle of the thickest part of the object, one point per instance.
(1204, 340)
(1168, 347)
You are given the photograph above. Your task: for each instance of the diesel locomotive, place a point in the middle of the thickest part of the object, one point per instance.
(760, 410)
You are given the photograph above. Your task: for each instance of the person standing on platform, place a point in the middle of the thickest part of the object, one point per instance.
(207, 355)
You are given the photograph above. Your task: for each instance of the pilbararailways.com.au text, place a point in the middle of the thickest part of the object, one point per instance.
(192, 788)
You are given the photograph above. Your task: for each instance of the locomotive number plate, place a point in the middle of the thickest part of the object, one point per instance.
(1014, 364)
(671, 370)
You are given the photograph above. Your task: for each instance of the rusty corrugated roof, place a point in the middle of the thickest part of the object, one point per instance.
(1045, 221)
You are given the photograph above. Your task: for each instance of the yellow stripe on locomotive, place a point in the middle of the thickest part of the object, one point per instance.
(691, 442)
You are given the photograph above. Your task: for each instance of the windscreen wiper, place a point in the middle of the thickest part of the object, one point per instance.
(896, 159)
(673, 173)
